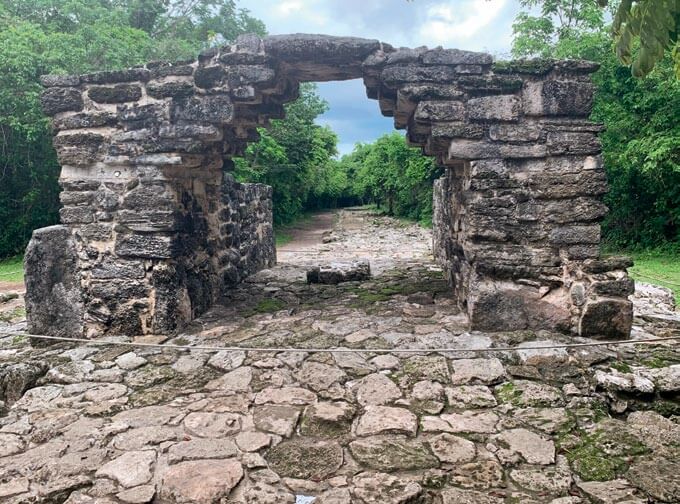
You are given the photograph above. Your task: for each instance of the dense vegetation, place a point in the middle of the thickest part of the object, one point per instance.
(641, 145)
(395, 177)
(76, 36)
(295, 157)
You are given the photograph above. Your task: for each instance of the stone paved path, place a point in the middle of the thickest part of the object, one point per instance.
(104, 425)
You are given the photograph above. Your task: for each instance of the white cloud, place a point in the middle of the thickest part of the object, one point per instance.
(307, 13)
(288, 7)
(453, 21)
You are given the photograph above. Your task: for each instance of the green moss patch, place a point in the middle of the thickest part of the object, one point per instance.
(604, 454)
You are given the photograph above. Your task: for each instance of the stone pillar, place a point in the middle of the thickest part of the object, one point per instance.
(154, 228)
(517, 215)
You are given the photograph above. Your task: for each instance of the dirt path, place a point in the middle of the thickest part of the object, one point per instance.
(309, 232)
(356, 233)
(11, 287)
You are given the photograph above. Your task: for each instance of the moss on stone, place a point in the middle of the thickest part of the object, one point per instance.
(666, 408)
(622, 367)
(661, 358)
(604, 454)
(268, 305)
(508, 393)
(15, 314)
(435, 479)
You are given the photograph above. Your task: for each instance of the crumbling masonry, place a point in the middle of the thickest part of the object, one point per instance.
(154, 228)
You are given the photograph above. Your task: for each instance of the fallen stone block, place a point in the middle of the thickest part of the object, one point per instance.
(337, 272)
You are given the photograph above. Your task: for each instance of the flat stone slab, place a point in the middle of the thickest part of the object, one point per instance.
(337, 272)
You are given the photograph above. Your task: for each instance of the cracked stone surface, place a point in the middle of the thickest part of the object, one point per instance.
(112, 425)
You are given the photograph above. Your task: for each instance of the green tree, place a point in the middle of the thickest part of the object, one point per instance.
(651, 26)
(295, 157)
(556, 22)
(394, 176)
(641, 145)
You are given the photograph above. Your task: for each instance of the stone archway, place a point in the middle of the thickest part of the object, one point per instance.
(154, 228)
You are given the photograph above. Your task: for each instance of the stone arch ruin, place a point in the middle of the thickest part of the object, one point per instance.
(154, 228)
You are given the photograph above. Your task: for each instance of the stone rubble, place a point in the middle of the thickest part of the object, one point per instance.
(120, 425)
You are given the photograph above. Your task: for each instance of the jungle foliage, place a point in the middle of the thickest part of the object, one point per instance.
(641, 145)
(76, 36)
(295, 157)
(654, 25)
(395, 177)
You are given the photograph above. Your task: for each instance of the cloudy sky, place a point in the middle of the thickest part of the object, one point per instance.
(479, 25)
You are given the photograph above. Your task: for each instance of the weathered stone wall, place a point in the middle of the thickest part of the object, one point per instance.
(153, 249)
(160, 231)
(247, 229)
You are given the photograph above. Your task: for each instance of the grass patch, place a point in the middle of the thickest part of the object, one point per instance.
(283, 232)
(269, 305)
(658, 268)
(282, 237)
(16, 314)
(12, 270)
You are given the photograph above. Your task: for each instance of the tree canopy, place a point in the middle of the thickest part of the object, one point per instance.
(641, 145)
(295, 157)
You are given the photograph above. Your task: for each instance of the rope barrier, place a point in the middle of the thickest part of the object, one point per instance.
(11, 273)
(634, 273)
(166, 346)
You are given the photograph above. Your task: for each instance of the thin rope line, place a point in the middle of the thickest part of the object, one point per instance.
(336, 350)
(634, 273)
(11, 273)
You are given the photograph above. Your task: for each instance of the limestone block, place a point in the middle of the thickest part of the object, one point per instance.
(214, 108)
(78, 148)
(418, 74)
(321, 57)
(209, 76)
(607, 318)
(146, 246)
(440, 111)
(565, 142)
(607, 264)
(54, 299)
(115, 94)
(500, 107)
(556, 97)
(60, 80)
(456, 57)
(163, 69)
(61, 99)
(170, 89)
(85, 120)
(338, 272)
(505, 306)
(244, 75)
(115, 76)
